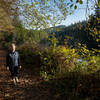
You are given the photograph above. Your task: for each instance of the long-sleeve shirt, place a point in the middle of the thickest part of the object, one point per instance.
(13, 59)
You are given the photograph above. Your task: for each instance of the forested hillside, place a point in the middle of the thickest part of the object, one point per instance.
(78, 33)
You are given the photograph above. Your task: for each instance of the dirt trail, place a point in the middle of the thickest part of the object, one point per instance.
(30, 85)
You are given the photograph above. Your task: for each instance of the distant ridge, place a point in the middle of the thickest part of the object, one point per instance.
(55, 29)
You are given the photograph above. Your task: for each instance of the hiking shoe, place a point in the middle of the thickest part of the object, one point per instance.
(17, 80)
(14, 81)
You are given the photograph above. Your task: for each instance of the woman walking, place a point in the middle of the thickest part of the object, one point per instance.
(13, 63)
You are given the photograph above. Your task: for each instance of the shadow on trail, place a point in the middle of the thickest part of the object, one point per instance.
(76, 87)
(30, 86)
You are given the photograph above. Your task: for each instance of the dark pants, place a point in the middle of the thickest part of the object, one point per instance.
(14, 72)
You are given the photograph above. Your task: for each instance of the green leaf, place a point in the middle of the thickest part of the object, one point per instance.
(75, 7)
(71, 5)
(81, 2)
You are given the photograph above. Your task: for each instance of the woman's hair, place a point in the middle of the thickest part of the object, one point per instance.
(13, 44)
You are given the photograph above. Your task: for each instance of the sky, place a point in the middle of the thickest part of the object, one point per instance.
(78, 15)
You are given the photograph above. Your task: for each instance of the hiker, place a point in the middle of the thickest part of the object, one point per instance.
(13, 63)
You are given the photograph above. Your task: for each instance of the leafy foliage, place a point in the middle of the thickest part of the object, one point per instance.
(37, 16)
(94, 24)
